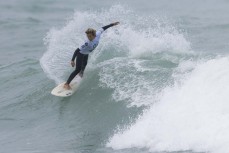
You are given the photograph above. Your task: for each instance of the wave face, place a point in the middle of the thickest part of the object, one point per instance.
(147, 62)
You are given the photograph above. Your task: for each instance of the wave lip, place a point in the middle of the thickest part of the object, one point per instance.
(192, 116)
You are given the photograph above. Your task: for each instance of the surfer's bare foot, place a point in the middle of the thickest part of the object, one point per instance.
(67, 86)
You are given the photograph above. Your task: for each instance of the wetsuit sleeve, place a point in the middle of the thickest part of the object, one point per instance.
(107, 26)
(100, 31)
(75, 54)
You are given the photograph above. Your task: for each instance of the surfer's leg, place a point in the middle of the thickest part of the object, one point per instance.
(79, 61)
(84, 64)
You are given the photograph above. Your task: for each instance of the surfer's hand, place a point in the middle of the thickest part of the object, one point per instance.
(115, 23)
(72, 63)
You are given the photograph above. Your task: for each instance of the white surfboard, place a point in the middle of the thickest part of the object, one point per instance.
(61, 92)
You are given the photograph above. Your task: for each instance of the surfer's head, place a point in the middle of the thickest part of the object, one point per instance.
(91, 33)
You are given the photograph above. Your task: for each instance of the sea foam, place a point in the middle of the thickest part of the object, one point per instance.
(190, 116)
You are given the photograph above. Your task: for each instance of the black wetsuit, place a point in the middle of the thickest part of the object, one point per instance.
(81, 61)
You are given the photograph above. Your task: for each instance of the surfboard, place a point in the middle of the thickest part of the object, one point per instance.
(61, 92)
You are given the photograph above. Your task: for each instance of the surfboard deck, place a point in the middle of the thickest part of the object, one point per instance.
(61, 92)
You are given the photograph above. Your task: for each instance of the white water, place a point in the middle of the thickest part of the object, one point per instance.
(190, 116)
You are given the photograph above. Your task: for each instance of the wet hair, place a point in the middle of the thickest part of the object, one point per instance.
(91, 31)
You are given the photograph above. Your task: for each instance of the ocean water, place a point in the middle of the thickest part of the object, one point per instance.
(157, 83)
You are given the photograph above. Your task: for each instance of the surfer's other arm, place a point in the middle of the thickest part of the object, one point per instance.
(74, 56)
(110, 25)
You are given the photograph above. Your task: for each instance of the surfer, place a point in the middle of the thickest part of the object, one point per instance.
(82, 52)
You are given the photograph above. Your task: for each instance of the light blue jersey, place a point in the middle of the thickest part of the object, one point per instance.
(89, 46)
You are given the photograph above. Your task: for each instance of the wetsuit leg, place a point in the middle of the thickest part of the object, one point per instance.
(84, 62)
(79, 62)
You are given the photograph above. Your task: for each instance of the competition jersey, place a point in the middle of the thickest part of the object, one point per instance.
(89, 46)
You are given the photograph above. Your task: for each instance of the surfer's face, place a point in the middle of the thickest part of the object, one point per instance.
(90, 36)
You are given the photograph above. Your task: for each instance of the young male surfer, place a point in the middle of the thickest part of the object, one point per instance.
(82, 52)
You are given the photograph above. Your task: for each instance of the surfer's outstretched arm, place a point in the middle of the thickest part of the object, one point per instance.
(110, 25)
